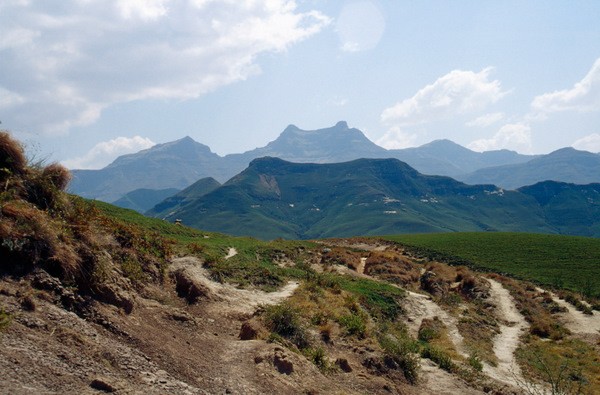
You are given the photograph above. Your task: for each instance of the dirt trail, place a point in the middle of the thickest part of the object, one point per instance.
(233, 299)
(440, 382)
(574, 320)
(507, 341)
(421, 306)
(361, 266)
(231, 253)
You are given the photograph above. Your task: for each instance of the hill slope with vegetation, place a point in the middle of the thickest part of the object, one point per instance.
(94, 298)
(274, 198)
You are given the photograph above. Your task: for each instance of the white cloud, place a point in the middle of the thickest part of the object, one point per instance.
(514, 136)
(485, 120)
(589, 143)
(105, 152)
(583, 96)
(395, 138)
(146, 10)
(458, 92)
(71, 59)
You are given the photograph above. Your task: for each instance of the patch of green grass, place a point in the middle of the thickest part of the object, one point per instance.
(475, 362)
(318, 356)
(559, 261)
(439, 356)
(284, 320)
(380, 299)
(402, 349)
(355, 324)
(5, 319)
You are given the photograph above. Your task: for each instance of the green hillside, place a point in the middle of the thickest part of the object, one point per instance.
(273, 198)
(143, 199)
(568, 208)
(170, 204)
(561, 261)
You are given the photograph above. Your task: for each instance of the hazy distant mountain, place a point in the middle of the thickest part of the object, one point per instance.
(444, 157)
(330, 145)
(569, 208)
(566, 165)
(142, 200)
(195, 191)
(178, 164)
(274, 198)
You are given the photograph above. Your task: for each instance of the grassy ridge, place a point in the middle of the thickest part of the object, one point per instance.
(559, 261)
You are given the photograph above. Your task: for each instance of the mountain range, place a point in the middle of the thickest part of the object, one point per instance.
(566, 164)
(180, 163)
(274, 198)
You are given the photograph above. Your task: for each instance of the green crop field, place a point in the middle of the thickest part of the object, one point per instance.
(559, 261)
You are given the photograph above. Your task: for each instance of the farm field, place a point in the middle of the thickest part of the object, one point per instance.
(551, 260)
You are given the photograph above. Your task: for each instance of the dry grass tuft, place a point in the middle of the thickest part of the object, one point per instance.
(12, 156)
(58, 175)
(390, 266)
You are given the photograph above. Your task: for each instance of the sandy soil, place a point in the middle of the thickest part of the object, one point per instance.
(574, 320)
(419, 306)
(231, 253)
(506, 342)
(228, 297)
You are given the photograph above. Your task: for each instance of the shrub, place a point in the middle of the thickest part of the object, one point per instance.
(12, 156)
(402, 352)
(57, 175)
(354, 324)
(319, 358)
(438, 356)
(284, 320)
(475, 362)
(5, 319)
(430, 329)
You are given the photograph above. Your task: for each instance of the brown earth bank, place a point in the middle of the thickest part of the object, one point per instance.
(166, 345)
(57, 341)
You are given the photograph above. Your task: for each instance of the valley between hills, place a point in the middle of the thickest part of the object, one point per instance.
(99, 299)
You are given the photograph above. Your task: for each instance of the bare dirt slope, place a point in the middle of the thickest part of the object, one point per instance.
(168, 346)
(58, 342)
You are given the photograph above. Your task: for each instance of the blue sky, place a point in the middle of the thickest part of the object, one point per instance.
(83, 81)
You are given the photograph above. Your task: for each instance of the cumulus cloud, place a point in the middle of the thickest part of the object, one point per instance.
(458, 92)
(396, 138)
(485, 120)
(64, 62)
(105, 152)
(583, 96)
(589, 143)
(514, 136)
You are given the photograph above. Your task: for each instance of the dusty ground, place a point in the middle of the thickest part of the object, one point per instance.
(166, 346)
(512, 327)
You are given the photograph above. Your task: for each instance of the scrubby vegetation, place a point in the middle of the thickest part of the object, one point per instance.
(349, 300)
(42, 227)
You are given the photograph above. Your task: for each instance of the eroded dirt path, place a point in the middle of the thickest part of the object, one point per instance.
(507, 341)
(574, 320)
(231, 298)
(361, 266)
(231, 253)
(419, 307)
